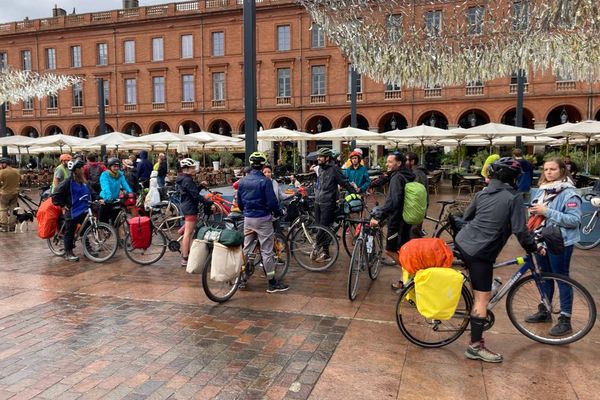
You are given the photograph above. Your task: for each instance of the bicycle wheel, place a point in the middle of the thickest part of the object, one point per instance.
(356, 264)
(374, 255)
(525, 296)
(100, 243)
(219, 292)
(427, 332)
(282, 256)
(589, 235)
(150, 255)
(56, 244)
(304, 248)
(349, 233)
(445, 233)
(167, 214)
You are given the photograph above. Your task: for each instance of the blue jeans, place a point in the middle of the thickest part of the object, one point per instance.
(161, 181)
(558, 264)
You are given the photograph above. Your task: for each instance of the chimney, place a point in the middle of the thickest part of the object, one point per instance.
(130, 4)
(58, 12)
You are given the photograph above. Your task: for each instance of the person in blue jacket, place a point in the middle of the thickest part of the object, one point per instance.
(526, 178)
(112, 181)
(357, 174)
(144, 169)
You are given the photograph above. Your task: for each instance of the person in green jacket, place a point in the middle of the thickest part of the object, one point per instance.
(357, 174)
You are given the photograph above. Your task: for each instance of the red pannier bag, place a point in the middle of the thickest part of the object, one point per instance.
(425, 253)
(47, 219)
(140, 231)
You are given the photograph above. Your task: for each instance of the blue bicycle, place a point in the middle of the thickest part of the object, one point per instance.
(524, 293)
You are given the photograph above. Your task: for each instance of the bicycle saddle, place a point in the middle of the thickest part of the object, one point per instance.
(233, 217)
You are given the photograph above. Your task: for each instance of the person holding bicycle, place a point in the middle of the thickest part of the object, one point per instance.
(112, 181)
(494, 213)
(74, 196)
(257, 201)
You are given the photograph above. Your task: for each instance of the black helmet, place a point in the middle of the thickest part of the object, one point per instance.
(113, 161)
(324, 151)
(74, 164)
(5, 160)
(505, 169)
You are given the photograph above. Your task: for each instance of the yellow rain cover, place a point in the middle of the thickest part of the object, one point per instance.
(438, 292)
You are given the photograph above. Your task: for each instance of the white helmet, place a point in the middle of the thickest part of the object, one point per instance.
(596, 201)
(187, 162)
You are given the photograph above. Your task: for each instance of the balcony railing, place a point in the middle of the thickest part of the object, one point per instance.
(158, 106)
(77, 110)
(101, 16)
(218, 104)
(359, 97)
(187, 105)
(317, 98)
(284, 100)
(28, 113)
(187, 6)
(566, 85)
(474, 91)
(52, 111)
(215, 3)
(130, 107)
(433, 92)
(513, 88)
(392, 94)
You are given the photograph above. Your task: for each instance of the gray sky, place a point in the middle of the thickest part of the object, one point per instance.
(17, 10)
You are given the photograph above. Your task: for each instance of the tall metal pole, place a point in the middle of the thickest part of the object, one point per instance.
(101, 115)
(353, 95)
(250, 76)
(3, 127)
(519, 112)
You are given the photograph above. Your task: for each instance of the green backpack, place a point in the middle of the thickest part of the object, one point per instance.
(415, 203)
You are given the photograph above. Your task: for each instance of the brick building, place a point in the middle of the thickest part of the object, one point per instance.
(182, 64)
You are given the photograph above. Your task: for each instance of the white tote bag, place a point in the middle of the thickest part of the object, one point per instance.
(226, 262)
(197, 257)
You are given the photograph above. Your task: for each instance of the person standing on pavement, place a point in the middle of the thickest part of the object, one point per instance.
(130, 172)
(92, 171)
(144, 167)
(412, 163)
(357, 174)
(10, 181)
(161, 168)
(526, 178)
(190, 197)
(61, 172)
(571, 168)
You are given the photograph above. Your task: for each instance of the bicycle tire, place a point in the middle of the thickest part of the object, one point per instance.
(211, 287)
(349, 235)
(150, 255)
(445, 233)
(354, 268)
(282, 256)
(586, 233)
(582, 321)
(307, 219)
(406, 311)
(56, 244)
(374, 258)
(303, 242)
(103, 237)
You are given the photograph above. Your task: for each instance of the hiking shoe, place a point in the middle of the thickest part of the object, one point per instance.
(478, 351)
(397, 286)
(71, 257)
(183, 262)
(563, 327)
(323, 258)
(277, 287)
(543, 315)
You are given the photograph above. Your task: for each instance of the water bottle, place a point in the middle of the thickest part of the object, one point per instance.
(369, 244)
(496, 283)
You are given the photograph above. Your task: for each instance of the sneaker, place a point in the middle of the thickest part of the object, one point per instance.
(323, 258)
(183, 262)
(543, 315)
(397, 286)
(71, 257)
(277, 287)
(563, 327)
(478, 351)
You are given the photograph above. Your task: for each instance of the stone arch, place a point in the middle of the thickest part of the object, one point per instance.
(109, 129)
(361, 122)
(473, 117)
(510, 118)
(79, 130)
(220, 127)
(132, 128)
(242, 130)
(318, 124)
(561, 114)
(30, 131)
(284, 122)
(433, 118)
(390, 121)
(52, 130)
(189, 126)
(159, 126)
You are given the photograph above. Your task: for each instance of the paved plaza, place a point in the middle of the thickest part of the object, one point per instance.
(118, 330)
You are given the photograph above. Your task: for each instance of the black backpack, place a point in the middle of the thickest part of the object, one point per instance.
(94, 173)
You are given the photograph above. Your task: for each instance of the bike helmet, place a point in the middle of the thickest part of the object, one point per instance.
(324, 151)
(187, 163)
(71, 165)
(335, 154)
(5, 160)
(355, 154)
(258, 158)
(65, 157)
(113, 161)
(505, 169)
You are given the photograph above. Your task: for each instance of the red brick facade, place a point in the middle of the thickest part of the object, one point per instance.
(545, 99)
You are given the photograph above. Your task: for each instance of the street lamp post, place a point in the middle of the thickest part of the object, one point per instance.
(250, 76)
(353, 118)
(519, 112)
(101, 115)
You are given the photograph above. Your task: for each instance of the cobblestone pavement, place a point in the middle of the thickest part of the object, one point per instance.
(118, 330)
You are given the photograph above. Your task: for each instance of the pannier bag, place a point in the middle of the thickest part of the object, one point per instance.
(424, 253)
(415, 203)
(353, 203)
(47, 219)
(140, 231)
(227, 237)
(438, 292)
(198, 252)
(226, 262)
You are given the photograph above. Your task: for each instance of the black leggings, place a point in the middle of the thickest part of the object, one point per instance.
(481, 272)
(324, 215)
(70, 227)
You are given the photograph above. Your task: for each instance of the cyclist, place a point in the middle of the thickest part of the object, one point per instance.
(257, 201)
(112, 181)
(60, 172)
(357, 174)
(493, 214)
(279, 192)
(92, 171)
(74, 195)
(326, 195)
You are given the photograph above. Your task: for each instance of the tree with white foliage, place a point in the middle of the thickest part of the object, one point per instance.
(17, 85)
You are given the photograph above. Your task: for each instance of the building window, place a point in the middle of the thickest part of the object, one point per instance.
(358, 80)
(218, 44)
(513, 78)
(284, 82)
(129, 48)
(102, 50)
(218, 86)
(53, 101)
(26, 58)
(28, 104)
(3, 61)
(317, 36)
(76, 56)
(130, 91)
(158, 85)
(318, 80)
(475, 20)
(283, 38)
(77, 95)
(106, 87)
(187, 84)
(51, 58)
(433, 23)
(187, 46)
(394, 25)
(157, 49)
(520, 15)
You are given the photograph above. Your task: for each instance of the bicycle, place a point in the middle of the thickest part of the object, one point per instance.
(31, 205)
(590, 235)
(160, 242)
(366, 255)
(523, 295)
(99, 240)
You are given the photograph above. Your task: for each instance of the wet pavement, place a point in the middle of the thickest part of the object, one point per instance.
(118, 330)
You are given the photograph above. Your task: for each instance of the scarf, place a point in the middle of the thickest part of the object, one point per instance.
(537, 222)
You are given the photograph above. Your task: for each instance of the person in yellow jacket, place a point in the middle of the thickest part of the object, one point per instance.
(485, 170)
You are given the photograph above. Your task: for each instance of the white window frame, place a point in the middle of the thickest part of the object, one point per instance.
(284, 37)
(76, 56)
(218, 79)
(188, 89)
(130, 91)
(158, 49)
(320, 84)
(187, 46)
(50, 58)
(102, 54)
(106, 88)
(284, 82)
(317, 36)
(218, 44)
(475, 20)
(158, 89)
(433, 22)
(358, 81)
(78, 94)
(129, 52)
(26, 60)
